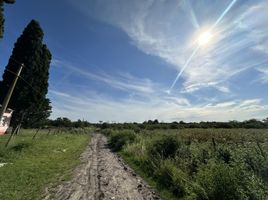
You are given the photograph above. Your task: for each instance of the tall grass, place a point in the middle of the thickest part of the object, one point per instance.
(201, 164)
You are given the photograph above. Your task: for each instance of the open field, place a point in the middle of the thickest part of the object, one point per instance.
(198, 163)
(34, 165)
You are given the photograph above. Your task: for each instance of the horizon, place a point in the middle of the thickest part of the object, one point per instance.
(137, 61)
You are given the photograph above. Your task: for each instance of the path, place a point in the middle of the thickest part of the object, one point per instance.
(102, 176)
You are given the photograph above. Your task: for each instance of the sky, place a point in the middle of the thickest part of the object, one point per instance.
(126, 61)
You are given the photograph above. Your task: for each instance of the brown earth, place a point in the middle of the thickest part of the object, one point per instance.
(103, 175)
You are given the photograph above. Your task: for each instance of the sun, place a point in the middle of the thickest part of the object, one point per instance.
(204, 38)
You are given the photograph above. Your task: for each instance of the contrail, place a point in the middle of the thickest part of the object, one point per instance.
(184, 67)
(198, 47)
(192, 14)
(223, 14)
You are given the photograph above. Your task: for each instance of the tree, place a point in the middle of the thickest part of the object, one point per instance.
(2, 19)
(29, 97)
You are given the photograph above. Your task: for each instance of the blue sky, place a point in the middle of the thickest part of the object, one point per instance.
(116, 60)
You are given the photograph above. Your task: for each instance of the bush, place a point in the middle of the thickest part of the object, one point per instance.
(118, 139)
(258, 164)
(164, 147)
(169, 176)
(222, 182)
(106, 132)
(224, 154)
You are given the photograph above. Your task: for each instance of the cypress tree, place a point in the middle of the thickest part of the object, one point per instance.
(29, 97)
(2, 19)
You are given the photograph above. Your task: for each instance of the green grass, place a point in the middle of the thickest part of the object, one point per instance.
(36, 164)
(199, 164)
(164, 192)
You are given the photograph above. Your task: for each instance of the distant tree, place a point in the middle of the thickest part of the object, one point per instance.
(2, 18)
(150, 122)
(155, 121)
(29, 99)
(62, 122)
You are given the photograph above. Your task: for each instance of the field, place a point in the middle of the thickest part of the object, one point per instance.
(34, 164)
(201, 164)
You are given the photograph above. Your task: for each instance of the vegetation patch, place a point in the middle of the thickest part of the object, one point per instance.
(200, 164)
(118, 139)
(35, 164)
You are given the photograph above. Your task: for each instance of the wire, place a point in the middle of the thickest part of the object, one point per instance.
(24, 81)
(37, 92)
(16, 61)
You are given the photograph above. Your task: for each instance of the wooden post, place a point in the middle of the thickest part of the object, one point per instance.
(36, 133)
(214, 144)
(11, 135)
(9, 93)
(48, 131)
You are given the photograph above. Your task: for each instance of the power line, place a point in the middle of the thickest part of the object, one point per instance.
(16, 61)
(24, 81)
(21, 78)
(28, 84)
(25, 66)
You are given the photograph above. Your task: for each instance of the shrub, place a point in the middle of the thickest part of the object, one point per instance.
(224, 154)
(164, 147)
(222, 182)
(107, 132)
(118, 139)
(258, 164)
(169, 176)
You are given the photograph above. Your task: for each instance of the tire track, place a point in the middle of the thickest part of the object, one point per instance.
(103, 175)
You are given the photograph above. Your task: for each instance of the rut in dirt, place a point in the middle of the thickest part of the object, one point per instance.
(102, 176)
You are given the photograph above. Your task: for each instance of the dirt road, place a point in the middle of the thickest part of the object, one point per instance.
(103, 175)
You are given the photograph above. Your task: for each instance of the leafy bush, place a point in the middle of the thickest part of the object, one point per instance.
(257, 163)
(222, 182)
(164, 147)
(107, 132)
(224, 154)
(169, 176)
(236, 168)
(118, 139)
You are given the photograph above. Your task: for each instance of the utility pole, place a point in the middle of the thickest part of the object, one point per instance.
(9, 93)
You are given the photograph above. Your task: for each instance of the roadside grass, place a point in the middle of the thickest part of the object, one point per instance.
(198, 164)
(164, 192)
(34, 164)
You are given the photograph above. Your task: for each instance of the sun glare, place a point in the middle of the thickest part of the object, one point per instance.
(204, 38)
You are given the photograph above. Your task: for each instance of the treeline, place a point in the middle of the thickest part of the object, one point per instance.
(65, 122)
(155, 124)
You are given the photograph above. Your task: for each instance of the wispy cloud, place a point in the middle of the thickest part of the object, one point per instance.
(95, 107)
(238, 39)
(123, 81)
(263, 74)
(168, 29)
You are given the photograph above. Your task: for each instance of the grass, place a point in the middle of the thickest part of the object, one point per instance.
(35, 164)
(199, 164)
(164, 192)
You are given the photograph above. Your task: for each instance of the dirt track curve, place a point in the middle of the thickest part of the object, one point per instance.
(103, 175)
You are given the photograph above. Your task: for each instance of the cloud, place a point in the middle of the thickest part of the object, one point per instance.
(123, 81)
(95, 107)
(146, 100)
(264, 74)
(168, 29)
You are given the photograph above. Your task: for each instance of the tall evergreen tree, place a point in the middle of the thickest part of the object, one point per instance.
(2, 19)
(29, 97)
